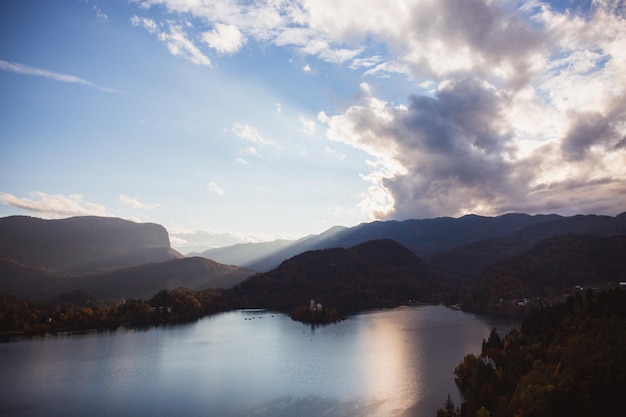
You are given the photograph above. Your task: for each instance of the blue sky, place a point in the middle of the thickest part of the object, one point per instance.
(230, 121)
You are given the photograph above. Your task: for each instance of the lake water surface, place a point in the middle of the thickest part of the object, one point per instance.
(397, 362)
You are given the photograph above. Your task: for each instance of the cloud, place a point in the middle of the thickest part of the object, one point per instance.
(422, 39)
(308, 124)
(455, 153)
(56, 76)
(214, 188)
(135, 203)
(251, 134)
(516, 105)
(368, 62)
(55, 206)
(176, 40)
(148, 24)
(100, 15)
(225, 39)
(593, 129)
(323, 50)
(250, 150)
(229, 23)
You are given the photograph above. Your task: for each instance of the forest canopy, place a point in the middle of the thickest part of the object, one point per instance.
(568, 359)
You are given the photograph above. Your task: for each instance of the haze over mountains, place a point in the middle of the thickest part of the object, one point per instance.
(462, 245)
(473, 260)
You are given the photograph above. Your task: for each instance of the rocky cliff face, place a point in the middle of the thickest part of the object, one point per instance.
(80, 245)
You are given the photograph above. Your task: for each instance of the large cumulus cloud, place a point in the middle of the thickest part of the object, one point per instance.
(454, 152)
(437, 155)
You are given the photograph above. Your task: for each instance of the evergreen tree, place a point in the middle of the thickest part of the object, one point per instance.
(448, 410)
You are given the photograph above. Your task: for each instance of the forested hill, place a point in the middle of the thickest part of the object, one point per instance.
(379, 273)
(146, 280)
(569, 359)
(467, 261)
(547, 271)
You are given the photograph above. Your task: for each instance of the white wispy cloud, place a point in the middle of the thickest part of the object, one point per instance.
(135, 203)
(214, 188)
(175, 38)
(250, 150)
(249, 133)
(308, 124)
(55, 205)
(365, 62)
(56, 76)
(279, 22)
(100, 15)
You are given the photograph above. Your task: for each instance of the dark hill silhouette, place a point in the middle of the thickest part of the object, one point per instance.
(81, 245)
(468, 261)
(549, 269)
(567, 261)
(29, 281)
(137, 282)
(146, 280)
(379, 273)
(76, 298)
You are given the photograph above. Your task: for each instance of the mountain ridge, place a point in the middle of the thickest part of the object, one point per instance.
(424, 237)
(84, 244)
(468, 261)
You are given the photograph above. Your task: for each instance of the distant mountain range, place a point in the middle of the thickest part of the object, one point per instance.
(463, 246)
(468, 261)
(480, 262)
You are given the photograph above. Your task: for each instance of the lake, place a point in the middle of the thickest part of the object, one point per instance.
(396, 362)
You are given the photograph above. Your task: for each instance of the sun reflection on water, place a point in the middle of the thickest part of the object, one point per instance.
(389, 376)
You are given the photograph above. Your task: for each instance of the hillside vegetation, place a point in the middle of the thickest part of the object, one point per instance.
(547, 272)
(78, 310)
(568, 359)
(379, 273)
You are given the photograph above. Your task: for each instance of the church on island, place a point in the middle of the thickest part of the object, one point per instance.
(314, 306)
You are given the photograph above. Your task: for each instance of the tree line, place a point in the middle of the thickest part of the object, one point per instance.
(79, 310)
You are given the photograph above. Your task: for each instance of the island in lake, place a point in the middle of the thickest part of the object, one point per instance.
(316, 313)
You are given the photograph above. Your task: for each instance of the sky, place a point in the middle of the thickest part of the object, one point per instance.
(232, 121)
